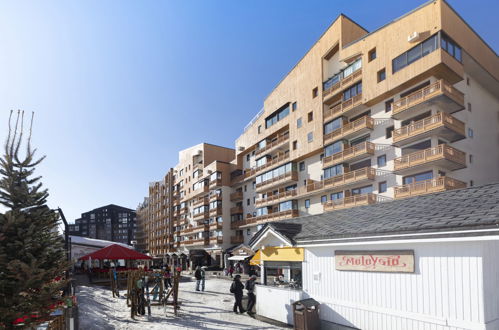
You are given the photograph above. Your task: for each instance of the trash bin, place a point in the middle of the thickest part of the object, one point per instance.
(306, 314)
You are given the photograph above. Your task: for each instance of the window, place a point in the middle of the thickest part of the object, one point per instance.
(381, 75)
(418, 177)
(343, 74)
(471, 183)
(415, 53)
(362, 190)
(388, 105)
(310, 116)
(333, 148)
(254, 185)
(283, 274)
(248, 201)
(298, 122)
(323, 199)
(310, 137)
(468, 81)
(382, 187)
(470, 132)
(332, 125)
(248, 157)
(307, 203)
(245, 188)
(276, 172)
(469, 107)
(352, 91)
(333, 171)
(450, 47)
(301, 166)
(261, 161)
(315, 92)
(336, 196)
(277, 116)
(295, 145)
(471, 158)
(382, 161)
(389, 131)
(294, 106)
(259, 128)
(372, 54)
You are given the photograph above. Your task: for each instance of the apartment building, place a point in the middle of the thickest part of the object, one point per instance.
(142, 213)
(366, 117)
(188, 221)
(111, 222)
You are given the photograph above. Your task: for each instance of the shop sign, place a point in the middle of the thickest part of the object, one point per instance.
(400, 261)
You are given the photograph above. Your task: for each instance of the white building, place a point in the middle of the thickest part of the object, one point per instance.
(427, 262)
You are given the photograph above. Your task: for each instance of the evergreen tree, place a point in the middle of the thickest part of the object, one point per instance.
(31, 250)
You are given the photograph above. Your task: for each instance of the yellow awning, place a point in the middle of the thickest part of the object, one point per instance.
(271, 253)
(255, 261)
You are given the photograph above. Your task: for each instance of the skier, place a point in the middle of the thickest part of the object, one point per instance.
(237, 289)
(250, 286)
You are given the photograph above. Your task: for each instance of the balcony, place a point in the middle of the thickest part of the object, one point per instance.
(183, 210)
(215, 226)
(215, 183)
(192, 230)
(281, 196)
(236, 210)
(200, 201)
(196, 242)
(442, 155)
(274, 144)
(216, 240)
(440, 93)
(217, 211)
(276, 216)
(354, 177)
(215, 197)
(350, 105)
(291, 176)
(201, 216)
(236, 239)
(352, 201)
(351, 154)
(279, 160)
(237, 179)
(200, 191)
(442, 183)
(236, 196)
(359, 126)
(236, 224)
(342, 84)
(441, 124)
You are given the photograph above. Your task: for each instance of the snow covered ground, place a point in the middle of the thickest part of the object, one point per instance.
(211, 309)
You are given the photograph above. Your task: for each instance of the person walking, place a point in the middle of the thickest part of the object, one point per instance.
(231, 270)
(199, 274)
(237, 289)
(250, 286)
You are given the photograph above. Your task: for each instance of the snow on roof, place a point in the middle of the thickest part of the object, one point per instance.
(95, 242)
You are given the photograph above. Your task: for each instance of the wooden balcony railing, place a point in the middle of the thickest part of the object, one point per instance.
(236, 196)
(442, 151)
(215, 183)
(342, 107)
(275, 198)
(343, 83)
(275, 216)
(276, 161)
(216, 211)
(196, 242)
(201, 190)
(280, 140)
(201, 215)
(440, 119)
(236, 179)
(352, 127)
(216, 240)
(236, 239)
(351, 201)
(215, 196)
(200, 201)
(236, 210)
(235, 224)
(440, 87)
(291, 175)
(441, 183)
(366, 173)
(364, 148)
(215, 226)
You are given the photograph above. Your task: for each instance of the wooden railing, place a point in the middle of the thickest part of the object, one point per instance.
(351, 201)
(236, 239)
(293, 175)
(236, 210)
(273, 162)
(441, 183)
(201, 215)
(215, 225)
(216, 211)
(427, 124)
(357, 125)
(437, 88)
(366, 173)
(343, 82)
(216, 183)
(281, 195)
(216, 240)
(236, 179)
(342, 107)
(235, 196)
(442, 151)
(215, 196)
(198, 241)
(351, 152)
(250, 219)
(281, 139)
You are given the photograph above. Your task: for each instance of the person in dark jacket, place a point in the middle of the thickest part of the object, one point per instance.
(199, 274)
(237, 289)
(250, 286)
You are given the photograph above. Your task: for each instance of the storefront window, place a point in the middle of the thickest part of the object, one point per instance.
(283, 274)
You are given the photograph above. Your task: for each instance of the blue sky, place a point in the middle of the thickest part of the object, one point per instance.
(119, 87)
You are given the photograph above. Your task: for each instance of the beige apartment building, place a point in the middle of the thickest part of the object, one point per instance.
(364, 117)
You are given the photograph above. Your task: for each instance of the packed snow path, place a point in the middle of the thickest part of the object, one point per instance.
(211, 309)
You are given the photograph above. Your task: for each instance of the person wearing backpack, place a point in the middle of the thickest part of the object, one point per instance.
(237, 289)
(250, 286)
(199, 274)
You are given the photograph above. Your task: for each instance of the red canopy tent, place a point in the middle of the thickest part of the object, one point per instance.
(115, 252)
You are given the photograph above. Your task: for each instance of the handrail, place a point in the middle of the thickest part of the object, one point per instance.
(342, 82)
(291, 173)
(363, 122)
(429, 154)
(427, 124)
(280, 139)
(358, 149)
(338, 180)
(273, 162)
(271, 197)
(343, 106)
(427, 186)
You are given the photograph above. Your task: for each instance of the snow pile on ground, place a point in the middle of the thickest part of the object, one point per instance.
(211, 309)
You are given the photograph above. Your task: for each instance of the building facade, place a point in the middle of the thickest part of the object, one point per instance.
(408, 109)
(364, 117)
(112, 223)
(141, 233)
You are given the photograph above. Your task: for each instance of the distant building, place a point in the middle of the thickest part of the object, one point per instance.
(112, 222)
(141, 235)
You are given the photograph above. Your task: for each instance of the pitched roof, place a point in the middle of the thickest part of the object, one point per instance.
(455, 210)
